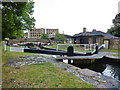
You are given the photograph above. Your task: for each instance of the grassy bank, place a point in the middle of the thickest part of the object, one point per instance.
(117, 55)
(8, 55)
(44, 75)
(110, 50)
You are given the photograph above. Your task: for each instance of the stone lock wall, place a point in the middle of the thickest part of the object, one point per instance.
(83, 61)
(114, 43)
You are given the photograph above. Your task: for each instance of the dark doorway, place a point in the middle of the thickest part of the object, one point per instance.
(75, 41)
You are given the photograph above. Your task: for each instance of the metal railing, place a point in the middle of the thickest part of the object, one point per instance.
(86, 47)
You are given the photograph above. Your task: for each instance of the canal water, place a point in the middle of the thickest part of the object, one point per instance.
(104, 67)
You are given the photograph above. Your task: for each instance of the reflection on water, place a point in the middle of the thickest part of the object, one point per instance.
(104, 67)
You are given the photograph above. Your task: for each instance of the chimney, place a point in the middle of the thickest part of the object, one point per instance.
(84, 30)
(94, 30)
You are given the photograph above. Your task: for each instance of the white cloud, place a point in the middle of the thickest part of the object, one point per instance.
(71, 16)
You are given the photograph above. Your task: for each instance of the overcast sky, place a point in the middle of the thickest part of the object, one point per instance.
(71, 16)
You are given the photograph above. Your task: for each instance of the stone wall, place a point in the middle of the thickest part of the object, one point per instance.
(21, 40)
(99, 40)
(114, 43)
(90, 41)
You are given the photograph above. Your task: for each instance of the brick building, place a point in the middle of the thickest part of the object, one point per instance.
(36, 33)
(52, 32)
(110, 41)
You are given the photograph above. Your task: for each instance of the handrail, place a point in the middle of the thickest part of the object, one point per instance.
(85, 46)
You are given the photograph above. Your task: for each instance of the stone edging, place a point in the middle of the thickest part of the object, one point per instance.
(90, 76)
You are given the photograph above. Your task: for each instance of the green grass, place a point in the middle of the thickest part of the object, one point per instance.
(117, 55)
(44, 75)
(53, 46)
(8, 55)
(8, 48)
(110, 50)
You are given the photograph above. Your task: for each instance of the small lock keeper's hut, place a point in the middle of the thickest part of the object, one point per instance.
(99, 37)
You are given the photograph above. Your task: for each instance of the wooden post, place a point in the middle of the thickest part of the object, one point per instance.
(96, 48)
(70, 52)
(69, 61)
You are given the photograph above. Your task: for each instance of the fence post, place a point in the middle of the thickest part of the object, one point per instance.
(4, 46)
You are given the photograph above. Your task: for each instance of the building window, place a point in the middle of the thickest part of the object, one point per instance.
(84, 40)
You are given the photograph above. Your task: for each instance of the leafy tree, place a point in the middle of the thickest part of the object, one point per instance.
(59, 37)
(115, 29)
(45, 36)
(16, 17)
(116, 21)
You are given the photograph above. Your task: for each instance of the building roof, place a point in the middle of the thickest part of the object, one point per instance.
(68, 36)
(95, 33)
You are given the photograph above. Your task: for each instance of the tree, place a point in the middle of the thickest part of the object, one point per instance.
(16, 17)
(115, 29)
(116, 21)
(59, 37)
(45, 36)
